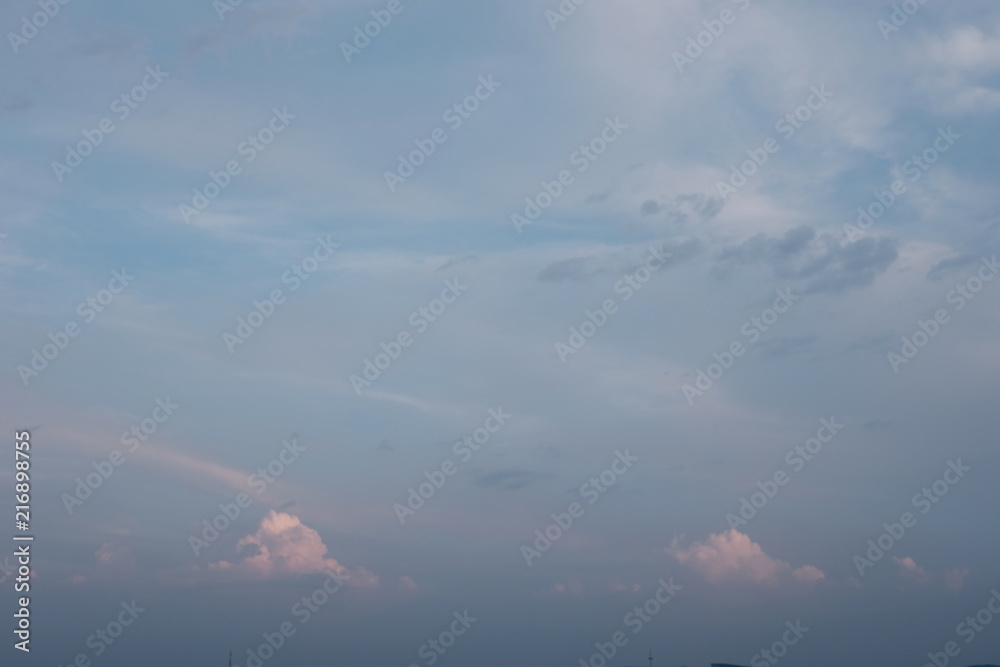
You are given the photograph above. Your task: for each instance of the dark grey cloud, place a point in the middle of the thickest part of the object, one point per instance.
(650, 207)
(776, 348)
(824, 262)
(678, 251)
(456, 261)
(16, 105)
(580, 269)
(575, 268)
(769, 249)
(842, 268)
(507, 480)
(683, 208)
(945, 266)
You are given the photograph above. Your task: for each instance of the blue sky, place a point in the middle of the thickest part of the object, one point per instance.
(636, 239)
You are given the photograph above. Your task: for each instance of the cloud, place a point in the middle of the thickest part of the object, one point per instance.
(827, 263)
(115, 556)
(507, 480)
(575, 268)
(783, 346)
(909, 571)
(682, 208)
(733, 557)
(457, 261)
(620, 260)
(954, 579)
(967, 48)
(939, 270)
(572, 588)
(282, 546)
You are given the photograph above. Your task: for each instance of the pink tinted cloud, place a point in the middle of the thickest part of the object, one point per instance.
(951, 580)
(954, 579)
(283, 545)
(571, 588)
(911, 571)
(733, 557)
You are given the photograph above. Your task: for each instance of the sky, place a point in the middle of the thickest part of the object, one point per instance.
(435, 334)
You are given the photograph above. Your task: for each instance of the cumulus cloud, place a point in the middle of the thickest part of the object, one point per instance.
(914, 574)
(733, 557)
(911, 571)
(572, 588)
(283, 545)
(115, 556)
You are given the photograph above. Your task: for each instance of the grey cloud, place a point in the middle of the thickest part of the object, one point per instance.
(682, 208)
(620, 261)
(455, 261)
(507, 480)
(823, 261)
(938, 271)
(575, 268)
(776, 348)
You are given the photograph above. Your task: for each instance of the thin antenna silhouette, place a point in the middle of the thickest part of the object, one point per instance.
(230, 659)
(650, 657)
